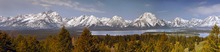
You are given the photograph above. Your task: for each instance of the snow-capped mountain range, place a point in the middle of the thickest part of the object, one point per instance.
(51, 19)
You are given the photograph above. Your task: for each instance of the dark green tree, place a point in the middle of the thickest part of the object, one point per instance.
(33, 44)
(6, 44)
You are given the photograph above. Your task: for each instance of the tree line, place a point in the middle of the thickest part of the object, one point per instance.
(86, 42)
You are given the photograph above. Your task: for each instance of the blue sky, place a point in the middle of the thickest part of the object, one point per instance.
(128, 9)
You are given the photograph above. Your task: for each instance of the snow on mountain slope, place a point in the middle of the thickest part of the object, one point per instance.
(210, 21)
(3, 19)
(89, 21)
(179, 22)
(51, 20)
(147, 20)
(44, 20)
(128, 21)
(104, 20)
(72, 22)
(117, 21)
(207, 22)
(195, 22)
(85, 21)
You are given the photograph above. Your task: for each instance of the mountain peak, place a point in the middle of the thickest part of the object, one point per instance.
(50, 12)
(51, 19)
(148, 20)
(213, 18)
(116, 17)
(177, 18)
(210, 21)
(92, 15)
(148, 15)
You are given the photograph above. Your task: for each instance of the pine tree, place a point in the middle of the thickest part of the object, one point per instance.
(21, 44)
(85, 42)
(50, 44)
(107, 40)
(32, 44)
(215, 30)
(58, 43)
(64, 40)
(6, 43)
(27, 44)
(212, 41)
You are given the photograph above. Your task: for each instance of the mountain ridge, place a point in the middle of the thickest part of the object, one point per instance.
(52, 19)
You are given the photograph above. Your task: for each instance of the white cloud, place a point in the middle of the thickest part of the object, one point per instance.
(204, 10)
(67, 3)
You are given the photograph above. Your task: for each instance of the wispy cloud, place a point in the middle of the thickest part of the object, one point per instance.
(99, 3)
(147, 5)
(205, 10)
(203, 2)
(67, 3)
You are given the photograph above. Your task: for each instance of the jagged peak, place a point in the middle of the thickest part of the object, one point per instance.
(87, 16)
(92, 16)
(116, 17)
(178, 18)
(50, 12)
(83, 16)
(148, 15)
(3, 17)
(213, 17)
